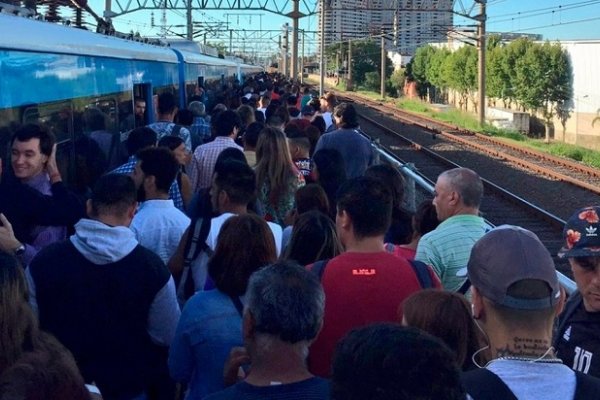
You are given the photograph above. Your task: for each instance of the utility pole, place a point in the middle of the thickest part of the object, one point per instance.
(280, 64)
(349, 84)
(295, 17)
(383, 57)
(231, 42)
(322, 51)
(481, 42)
(302, 60)
(189, 24)
(285, 49)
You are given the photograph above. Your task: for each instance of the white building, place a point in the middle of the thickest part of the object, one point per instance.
(408, 24)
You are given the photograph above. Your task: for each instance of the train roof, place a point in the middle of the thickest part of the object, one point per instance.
(197, 58)
(24, 34)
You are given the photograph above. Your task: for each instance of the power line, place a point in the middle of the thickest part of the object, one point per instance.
(580, 21)
(532, 14)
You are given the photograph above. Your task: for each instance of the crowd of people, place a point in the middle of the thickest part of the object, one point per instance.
(254, 247)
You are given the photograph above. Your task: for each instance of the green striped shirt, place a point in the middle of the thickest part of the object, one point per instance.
(448, 247)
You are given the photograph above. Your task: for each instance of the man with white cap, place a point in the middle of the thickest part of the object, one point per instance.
(515, 297)
(577, 337)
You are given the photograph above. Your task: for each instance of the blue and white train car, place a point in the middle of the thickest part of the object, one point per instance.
(52, 74)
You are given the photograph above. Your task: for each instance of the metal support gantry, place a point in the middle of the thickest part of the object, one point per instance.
(294, 9)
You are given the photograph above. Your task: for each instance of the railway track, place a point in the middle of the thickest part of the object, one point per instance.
(556, 168)
(433, 153)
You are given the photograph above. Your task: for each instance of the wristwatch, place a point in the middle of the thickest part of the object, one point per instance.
(19, 250)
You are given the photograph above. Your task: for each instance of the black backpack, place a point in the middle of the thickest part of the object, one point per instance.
(420, 268)
(196, 243)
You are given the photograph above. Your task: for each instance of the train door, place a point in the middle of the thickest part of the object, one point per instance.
(142, 92)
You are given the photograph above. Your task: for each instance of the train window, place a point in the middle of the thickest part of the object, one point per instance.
(58, 117)
(30, 115)
(100, 115)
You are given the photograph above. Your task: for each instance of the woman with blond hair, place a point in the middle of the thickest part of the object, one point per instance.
(277, 177)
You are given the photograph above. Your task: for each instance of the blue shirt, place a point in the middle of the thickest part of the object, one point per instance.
(355, 149)
(310, 389)
(165, 128)
(202, 128)
(174, 192)
(209, 327)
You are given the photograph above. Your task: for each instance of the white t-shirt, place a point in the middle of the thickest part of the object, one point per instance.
(535, 380)
(200, 265)
(159, 226)
(328, 119)
(217, 222)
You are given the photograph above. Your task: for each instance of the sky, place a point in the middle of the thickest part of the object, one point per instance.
(554, 19)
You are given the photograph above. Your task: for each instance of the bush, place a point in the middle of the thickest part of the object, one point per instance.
(396, 81)
(372, 81)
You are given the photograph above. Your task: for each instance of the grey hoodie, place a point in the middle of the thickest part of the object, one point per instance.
(102, 244)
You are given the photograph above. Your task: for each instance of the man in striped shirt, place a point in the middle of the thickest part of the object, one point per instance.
(227, 125)
(458, 194)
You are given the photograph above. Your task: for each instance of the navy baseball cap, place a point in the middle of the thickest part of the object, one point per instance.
(582, 234)
(509, 254)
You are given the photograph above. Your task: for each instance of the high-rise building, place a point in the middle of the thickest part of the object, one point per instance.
(407, 24)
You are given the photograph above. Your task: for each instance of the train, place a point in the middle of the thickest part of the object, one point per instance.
(52, 74)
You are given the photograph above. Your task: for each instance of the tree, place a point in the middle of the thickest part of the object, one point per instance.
(435, 71)
(462, 73)
(544, 81)
(372, 80)
(366, 57)
(220, 46)
(514, 52)
(396, 81)
(335, 54)
(498, 85)
(418, 68)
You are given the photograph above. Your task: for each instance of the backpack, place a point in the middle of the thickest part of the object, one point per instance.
(195, 244)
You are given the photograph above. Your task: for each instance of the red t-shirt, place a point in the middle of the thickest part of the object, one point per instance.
(360, 289)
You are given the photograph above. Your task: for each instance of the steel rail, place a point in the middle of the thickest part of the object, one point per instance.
(450, 134)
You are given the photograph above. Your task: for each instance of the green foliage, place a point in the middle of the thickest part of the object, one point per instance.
(397, 79)
(220, 46)
(435, 71)
(372, 80)
(586, 156)
(418, 68)
(366, 57)
(462, 71)
(420, 63)
(536, 77)
(543, 81)
(497, 80)
(414, 106)
(514, 52)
